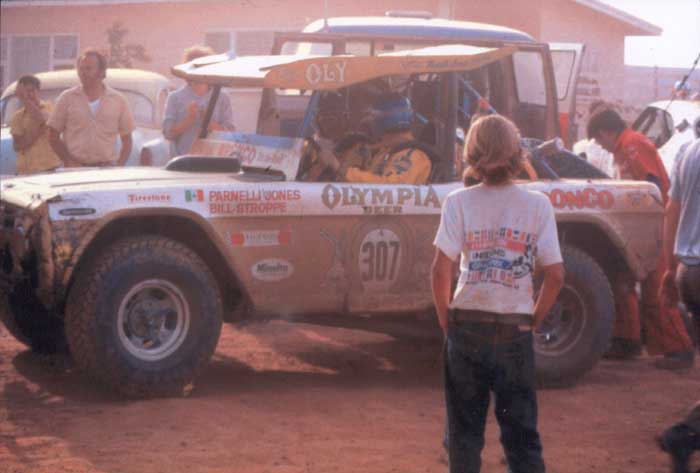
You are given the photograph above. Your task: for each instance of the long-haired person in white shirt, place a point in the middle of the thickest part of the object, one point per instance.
(499, 233)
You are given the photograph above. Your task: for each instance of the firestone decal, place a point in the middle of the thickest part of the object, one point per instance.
(588, 198)
(272, 269)
(377, 200)
(147, 198)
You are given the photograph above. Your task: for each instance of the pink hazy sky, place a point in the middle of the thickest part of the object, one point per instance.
(678, 45)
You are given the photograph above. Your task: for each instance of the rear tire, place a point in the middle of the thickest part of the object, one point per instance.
(144, 317)
(577, 330)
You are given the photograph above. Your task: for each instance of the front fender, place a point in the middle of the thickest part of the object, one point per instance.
(75, 240)
(637, 238)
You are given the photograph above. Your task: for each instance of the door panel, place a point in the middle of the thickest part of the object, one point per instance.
(566, 60)
(372, 243)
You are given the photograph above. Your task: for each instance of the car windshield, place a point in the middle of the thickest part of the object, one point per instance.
(656, 124)
(141, 107)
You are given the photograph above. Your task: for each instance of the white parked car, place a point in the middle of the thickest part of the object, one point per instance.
(145, 91)
(669, 124)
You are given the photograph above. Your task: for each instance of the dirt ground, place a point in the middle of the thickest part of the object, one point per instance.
(285, 397)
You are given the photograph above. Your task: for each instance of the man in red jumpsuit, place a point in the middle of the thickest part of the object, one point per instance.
(664, 331)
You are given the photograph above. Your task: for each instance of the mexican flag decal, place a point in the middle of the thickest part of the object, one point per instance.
(197, 195)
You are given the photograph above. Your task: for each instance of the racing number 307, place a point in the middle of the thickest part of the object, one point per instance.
(380, 256)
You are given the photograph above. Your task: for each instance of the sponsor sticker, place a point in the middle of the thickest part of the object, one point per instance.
(636, 198)
(251, 201)
(272, 269)
(194, 195)
(375, 200)
(333, 72)
(147, 198)
(379, 259)
(588, 198)
(253, 238)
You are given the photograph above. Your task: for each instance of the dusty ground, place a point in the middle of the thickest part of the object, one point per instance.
(282, 398)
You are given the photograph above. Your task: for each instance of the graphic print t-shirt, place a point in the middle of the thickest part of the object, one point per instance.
(501, 233)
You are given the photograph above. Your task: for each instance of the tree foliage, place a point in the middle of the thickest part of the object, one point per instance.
(122, 54)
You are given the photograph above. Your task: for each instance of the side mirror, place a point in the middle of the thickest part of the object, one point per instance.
(682, 126)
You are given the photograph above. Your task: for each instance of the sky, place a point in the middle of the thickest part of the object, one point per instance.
(678, 45)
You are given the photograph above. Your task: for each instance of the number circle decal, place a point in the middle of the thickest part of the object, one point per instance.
(379, 259)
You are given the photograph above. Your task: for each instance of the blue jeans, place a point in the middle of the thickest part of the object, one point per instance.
(481, 358)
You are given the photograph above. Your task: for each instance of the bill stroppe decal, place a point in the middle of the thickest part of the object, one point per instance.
(245, 201)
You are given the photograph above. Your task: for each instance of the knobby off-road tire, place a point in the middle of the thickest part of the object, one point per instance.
(144, 317)
(30, 322)
(577, 330)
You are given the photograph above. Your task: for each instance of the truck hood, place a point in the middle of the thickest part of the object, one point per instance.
(29, 191)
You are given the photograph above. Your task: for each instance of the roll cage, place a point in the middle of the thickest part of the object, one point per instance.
(451, 95)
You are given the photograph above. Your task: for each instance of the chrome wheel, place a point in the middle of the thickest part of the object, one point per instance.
(153, 320)
(563, 327)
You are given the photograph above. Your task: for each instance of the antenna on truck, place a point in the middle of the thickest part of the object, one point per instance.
(325, 16)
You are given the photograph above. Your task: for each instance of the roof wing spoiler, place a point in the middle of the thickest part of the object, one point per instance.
(334, 72)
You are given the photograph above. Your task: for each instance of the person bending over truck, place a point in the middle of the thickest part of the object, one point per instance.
(665, 333)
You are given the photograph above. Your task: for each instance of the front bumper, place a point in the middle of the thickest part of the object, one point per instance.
(25, 249)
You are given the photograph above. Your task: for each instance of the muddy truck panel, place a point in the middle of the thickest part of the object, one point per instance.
(300, 237)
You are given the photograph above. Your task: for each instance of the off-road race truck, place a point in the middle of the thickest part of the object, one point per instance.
(136, 268)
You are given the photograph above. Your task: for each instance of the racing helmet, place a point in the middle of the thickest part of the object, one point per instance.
(392, 112)
(681, 86)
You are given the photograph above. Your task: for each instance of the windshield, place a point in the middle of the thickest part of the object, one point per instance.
(141, 107)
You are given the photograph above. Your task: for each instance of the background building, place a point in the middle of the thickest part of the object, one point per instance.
(40, 35)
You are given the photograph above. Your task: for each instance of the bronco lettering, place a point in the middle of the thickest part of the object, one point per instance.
(587, 198)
